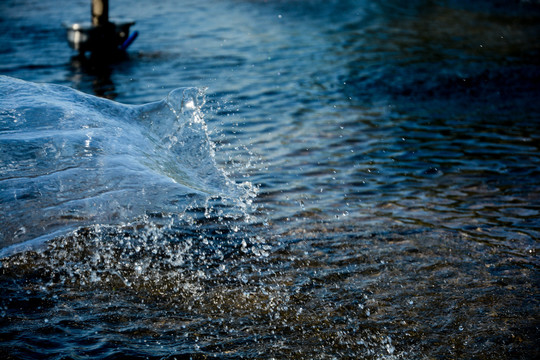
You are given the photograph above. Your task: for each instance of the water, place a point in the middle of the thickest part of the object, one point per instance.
(71, 159)
(287, 179)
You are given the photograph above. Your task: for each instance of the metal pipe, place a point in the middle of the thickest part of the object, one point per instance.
(100, 12)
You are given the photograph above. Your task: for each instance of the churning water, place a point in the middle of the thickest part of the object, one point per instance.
(71, 159)
(272, 179)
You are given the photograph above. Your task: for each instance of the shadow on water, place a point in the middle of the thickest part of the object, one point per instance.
(97, 70)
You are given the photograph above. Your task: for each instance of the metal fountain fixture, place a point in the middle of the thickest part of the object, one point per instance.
(101, 36)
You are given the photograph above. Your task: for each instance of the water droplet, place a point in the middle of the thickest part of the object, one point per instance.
(389, 347)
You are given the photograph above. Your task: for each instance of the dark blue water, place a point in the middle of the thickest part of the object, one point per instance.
(272, 179)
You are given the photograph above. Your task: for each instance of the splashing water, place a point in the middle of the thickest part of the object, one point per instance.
(395, 153)
(135, 222)
(70, 160)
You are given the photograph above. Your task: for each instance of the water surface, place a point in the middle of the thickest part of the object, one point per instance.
(393, 150)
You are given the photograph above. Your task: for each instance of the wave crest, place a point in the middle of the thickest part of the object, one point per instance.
(70, 159)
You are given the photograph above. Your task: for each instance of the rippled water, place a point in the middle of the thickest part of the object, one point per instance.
(290, 179)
